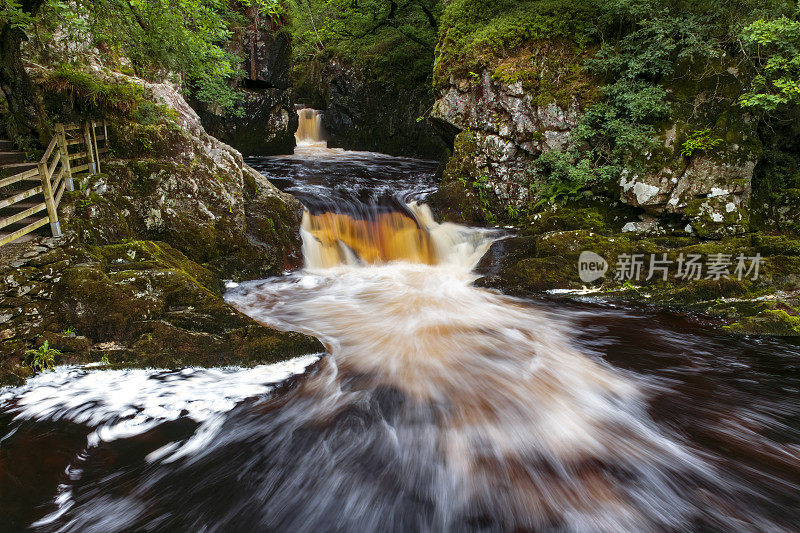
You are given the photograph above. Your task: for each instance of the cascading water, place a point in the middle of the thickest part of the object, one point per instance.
(439, 407)
(310, 132)
(331, 239)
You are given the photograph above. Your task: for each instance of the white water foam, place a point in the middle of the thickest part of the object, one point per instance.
(122, 403)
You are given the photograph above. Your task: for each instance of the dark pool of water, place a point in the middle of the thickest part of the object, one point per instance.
(342, 181)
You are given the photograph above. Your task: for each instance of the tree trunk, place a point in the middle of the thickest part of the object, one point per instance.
(27, 116)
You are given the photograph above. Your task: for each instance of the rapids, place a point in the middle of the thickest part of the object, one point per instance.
(438, 407)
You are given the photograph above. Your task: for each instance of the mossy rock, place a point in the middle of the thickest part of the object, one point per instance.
(567, 220)
(700, 290)
(70, 343)
(462, 196)
(536, 274)
(457, 203)
(140, 303)
(95, 219)
(780, 272)
(147, 255)
(88, 299)
(716, 217)
(776, 244)
(570, 244)
(769, 322)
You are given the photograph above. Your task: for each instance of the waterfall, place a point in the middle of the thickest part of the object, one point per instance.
(331, 239)
(309, 128)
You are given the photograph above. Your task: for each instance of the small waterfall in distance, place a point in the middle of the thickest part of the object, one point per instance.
(310, 132)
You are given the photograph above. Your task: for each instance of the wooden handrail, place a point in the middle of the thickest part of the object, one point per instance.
(49, 150)
(55, 172)
(28, 174)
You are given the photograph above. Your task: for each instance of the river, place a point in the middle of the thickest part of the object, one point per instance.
(438, 406)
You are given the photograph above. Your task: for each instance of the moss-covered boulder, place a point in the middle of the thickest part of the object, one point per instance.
(141, 303)
(654, 269)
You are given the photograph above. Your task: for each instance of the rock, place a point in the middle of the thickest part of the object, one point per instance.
(545, 259)
(141, 303)
(77, 344)
(171, 181)
(513, 116)
(648, 225)
(263, 122)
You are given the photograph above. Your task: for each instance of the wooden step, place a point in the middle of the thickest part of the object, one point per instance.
(26, 229)
(15, 168)
(12, 157)
(7, 145)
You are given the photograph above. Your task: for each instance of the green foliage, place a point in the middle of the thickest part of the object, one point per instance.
(615, 132)
(563, 175)
(476, 33)
(700, 140)
(776, 48)
(11, 13)
(185, 39)
(393, 40)
(122, 96)
(42, 358)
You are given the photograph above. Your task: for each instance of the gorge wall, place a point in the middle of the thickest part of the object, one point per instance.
(505, 128)
(264, 120)
(629, 104)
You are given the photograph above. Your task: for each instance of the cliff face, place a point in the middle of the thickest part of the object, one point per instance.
(264, 120)
(510, 127)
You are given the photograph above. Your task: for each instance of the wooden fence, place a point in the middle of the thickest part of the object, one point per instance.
(73, 150)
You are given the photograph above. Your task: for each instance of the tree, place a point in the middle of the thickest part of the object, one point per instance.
(352, 25)
(776, 53)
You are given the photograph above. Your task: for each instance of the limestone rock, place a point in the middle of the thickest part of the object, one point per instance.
(511, 126)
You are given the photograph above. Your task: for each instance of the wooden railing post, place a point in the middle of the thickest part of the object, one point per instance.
(49, 201)
(96, 151)
(62, 147)
(87, 140)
